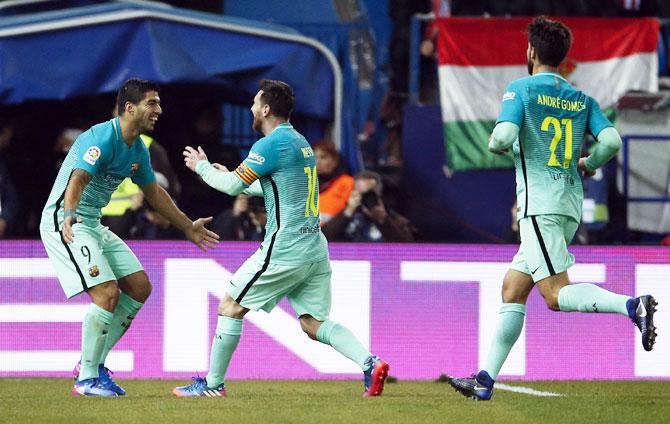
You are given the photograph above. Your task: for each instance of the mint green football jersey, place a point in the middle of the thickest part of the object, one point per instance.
(101, 152)
(285, 164)
(553, 117)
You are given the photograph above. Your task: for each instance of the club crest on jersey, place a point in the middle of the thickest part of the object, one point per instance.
(133, 168)
(94, 271)
(92, 155)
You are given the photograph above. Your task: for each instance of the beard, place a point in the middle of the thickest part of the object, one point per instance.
(146, 127)
(257, 125)
(530, 67)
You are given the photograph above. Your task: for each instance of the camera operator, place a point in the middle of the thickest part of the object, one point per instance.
(365, 218)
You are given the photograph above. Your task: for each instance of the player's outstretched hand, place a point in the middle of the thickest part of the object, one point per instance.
(201, 236)
(68, 234)
(583, 169)
(192, 156)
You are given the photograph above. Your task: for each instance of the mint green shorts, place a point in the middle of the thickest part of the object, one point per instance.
(544, 245)
(259, 285)
(96, 256)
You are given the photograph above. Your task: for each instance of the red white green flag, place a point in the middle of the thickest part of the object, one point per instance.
(478, 57)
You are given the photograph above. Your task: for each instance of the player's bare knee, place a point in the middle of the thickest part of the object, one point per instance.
(136, 285)
(144, 291)
(551, 299)
(514, 294)
(230, 308)
(105, 295)
(309, 325)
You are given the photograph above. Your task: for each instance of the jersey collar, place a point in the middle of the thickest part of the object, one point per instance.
(117, 129)
(116, 123)
(553, 74)
(283, 125)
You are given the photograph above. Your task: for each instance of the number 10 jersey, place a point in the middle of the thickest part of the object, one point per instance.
(285, 164)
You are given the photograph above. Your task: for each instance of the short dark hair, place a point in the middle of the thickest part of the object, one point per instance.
(279, 96)
(551, 40)
(133, 91)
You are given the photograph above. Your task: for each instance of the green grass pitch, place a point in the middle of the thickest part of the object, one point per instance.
(149, 401)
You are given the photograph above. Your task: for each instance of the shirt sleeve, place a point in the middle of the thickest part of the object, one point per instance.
(597, 121)
(512, 105)
(92, 154)
(262, 160)
(145, 173)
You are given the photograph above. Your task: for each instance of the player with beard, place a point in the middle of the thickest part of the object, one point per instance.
(87, 256)
(544, 119)
(292, 260)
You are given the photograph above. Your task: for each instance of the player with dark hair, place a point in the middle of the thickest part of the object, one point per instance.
(293, 259)
(544, 119)
(87, 256)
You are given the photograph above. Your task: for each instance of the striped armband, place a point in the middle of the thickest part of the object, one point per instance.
(246, 174)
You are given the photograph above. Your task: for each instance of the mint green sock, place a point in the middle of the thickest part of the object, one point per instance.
(125, 312)
(343, 341)
(94, 330)
(507, 333)
(591, 298)
(228, 332)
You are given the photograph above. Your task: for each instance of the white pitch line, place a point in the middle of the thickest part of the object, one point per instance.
(525, 390)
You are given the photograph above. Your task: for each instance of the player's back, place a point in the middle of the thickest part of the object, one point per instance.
(555, 121)
(291, 194)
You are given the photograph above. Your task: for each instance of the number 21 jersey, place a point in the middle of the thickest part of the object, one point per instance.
(553, 117)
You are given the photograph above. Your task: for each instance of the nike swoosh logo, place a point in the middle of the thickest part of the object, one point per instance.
(533, 272)
(641, 310)
(480, 388)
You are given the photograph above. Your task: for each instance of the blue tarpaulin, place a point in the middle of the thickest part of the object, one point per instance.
(93, 49)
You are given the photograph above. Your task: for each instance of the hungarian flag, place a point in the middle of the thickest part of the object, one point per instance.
(479, 57)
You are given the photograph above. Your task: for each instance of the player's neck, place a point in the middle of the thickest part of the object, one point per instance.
(539, 68)
(129, 131)
(271, 123)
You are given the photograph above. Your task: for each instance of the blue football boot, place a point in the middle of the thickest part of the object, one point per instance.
(92, 387)
(641, 312)
(199, 388)
(477, 387)
(104, 374)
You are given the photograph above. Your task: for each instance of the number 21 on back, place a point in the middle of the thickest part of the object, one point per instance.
(557, 125)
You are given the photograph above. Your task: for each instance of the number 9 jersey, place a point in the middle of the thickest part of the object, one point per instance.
(553, 118)
(285, 164)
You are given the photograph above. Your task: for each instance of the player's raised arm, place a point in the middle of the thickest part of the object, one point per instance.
(217, 178)
(195, 231)
(75, 188)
